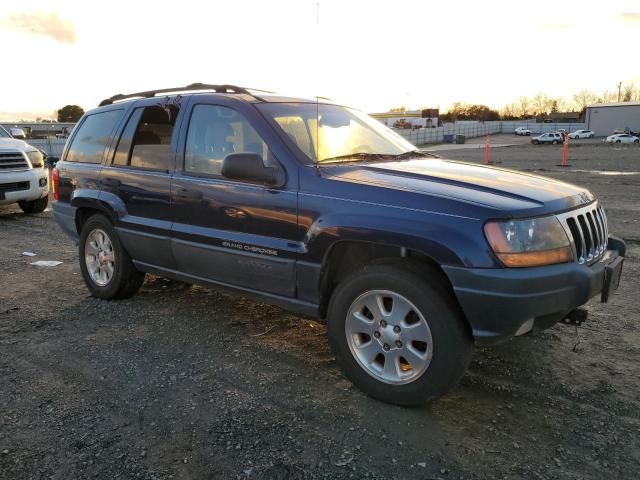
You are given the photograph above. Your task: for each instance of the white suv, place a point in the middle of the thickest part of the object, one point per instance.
(551, 137)
(23, 177)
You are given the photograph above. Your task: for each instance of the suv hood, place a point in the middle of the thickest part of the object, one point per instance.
(481, 185)
(14, 144)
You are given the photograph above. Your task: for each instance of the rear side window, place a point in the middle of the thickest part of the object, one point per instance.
(146, 140)
(89, 143)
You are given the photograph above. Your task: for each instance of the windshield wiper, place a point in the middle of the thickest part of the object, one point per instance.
(365, 156)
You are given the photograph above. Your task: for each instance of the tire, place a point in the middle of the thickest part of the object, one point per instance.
(590, 136)
(443, 356)
(636, 141)
(124, 279)
(536, 142)
(618, 141)
(555, 142)
(34, 206)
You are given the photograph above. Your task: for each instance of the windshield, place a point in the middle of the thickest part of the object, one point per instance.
(4, 133)
(328, 133)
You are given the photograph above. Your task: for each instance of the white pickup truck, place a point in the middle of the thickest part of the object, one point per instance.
(23, 177)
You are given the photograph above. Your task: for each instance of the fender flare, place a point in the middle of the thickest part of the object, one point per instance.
(108, 203)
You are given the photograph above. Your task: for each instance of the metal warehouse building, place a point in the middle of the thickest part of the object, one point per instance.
(603, 118)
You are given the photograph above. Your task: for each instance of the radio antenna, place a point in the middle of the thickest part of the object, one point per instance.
(317, 100)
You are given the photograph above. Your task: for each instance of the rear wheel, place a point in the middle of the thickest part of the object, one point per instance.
(397, 334)
(34, 206)
(555, 142)
(106, 267)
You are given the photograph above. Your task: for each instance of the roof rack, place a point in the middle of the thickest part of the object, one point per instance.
(193, 87)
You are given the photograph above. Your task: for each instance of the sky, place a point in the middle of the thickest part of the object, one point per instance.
(371, 54)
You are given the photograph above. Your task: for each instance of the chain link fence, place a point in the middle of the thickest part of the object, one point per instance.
(448, 132)
(51, 146)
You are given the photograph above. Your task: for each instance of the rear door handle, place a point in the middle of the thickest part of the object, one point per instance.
(110, 182)
(189, 194)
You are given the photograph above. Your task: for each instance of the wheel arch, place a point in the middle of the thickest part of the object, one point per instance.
(91, 202)
(347, 256)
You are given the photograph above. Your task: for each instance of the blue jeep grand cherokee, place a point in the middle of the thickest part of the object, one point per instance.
(318, 208)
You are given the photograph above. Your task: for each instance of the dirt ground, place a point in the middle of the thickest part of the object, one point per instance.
(184, 382)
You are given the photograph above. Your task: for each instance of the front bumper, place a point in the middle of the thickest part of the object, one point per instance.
(502, 303)
(34, 190)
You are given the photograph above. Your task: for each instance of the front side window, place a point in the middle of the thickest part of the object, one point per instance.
(332, 133)
(92, 138)
(215, 132)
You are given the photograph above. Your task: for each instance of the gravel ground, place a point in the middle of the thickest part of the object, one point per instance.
(184, 382)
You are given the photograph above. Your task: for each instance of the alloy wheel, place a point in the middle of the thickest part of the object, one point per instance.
(100, 257)
(389, 337)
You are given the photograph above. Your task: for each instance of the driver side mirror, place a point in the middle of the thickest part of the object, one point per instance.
(249, 167)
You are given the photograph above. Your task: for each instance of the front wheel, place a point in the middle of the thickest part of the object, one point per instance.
(106, 267)
(398, 334)
(34, 206)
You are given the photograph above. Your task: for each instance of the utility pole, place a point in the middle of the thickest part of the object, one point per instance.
(619, 90)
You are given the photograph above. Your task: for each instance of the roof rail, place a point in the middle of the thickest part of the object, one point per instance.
(193, 87)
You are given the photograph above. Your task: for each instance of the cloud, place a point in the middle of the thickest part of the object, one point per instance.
(43, 23)
(631, 17)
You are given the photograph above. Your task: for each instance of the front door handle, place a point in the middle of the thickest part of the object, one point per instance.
(110, 182)
(189, 194)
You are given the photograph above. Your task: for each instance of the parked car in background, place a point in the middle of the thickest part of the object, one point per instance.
(522, 131)
(622, 138)
(23, 177)
(550, 137)
(618, 131)
(582, 134)
(18, 133)
(410, 259)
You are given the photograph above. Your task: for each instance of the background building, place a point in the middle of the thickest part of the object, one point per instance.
(42, 130)
(603, 118)
(427, 118)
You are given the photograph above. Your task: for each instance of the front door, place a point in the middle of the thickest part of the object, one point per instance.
(232, 232)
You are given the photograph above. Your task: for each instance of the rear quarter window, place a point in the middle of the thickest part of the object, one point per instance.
(89, 143)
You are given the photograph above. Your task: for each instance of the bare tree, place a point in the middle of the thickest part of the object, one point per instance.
(583, 99)
(524, 107)
(542, 104)
(628, 92)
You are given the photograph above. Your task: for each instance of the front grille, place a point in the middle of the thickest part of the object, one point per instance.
(588, 230)
(14, 186)
(13, 161)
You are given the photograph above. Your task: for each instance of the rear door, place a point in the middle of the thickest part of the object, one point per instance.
(138, 174)
(233, 232)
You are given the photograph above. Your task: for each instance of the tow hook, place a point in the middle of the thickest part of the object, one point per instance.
(575, 317)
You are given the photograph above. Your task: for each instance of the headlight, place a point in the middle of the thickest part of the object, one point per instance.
(529, 243)
(36, 158)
